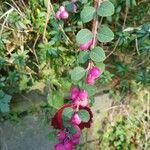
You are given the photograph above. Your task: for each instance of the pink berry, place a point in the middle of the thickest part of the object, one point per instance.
(86, 46)
(95, 72)
(83, 103)
(76, 119)
(62, 8)
(83, 95)
(64, 15)
(61, 135)
(74, 92)
(92, 43)
(75, 140)
(68, 145)
(77, 102)
(59, 147)
(90, 79)
(57, 15)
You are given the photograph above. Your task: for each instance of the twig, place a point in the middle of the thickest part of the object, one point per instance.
(47, 19)
(126, 14)
(95, 22)
(123, 26)
(137, 47)
(114, 49)
(34, 52)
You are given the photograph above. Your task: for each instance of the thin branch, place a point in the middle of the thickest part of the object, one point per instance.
(123, 26)
(95, 22)
(34, 52)
(47, 19)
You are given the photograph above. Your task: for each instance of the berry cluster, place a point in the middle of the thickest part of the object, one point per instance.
(79, 97)
(68, 140)
(62, 13)
(79, 100)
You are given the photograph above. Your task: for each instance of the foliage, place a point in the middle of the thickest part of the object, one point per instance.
(29, 54)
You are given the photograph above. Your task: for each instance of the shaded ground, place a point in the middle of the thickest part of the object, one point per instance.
(31, 133)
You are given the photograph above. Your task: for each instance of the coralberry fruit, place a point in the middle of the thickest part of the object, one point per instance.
(62, 13)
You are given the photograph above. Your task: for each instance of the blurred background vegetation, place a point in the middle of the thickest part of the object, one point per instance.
(28, 55)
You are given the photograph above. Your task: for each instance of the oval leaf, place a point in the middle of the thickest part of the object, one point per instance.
(83, 1)
(105, 9)
(83, 36)
(67, 114)
(77, 73)
(105, 34)
(84, 115)
(83, 56)
(97, 54)
(101, 66)
(87, 14)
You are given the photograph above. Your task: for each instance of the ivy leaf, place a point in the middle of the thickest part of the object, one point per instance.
(97, 54)
(4, 102)
(77, 73)
(67, 114)
(105, 34)
(83, 56)
(87, 14)
(105, 9)
(84, 115)
(83, 36)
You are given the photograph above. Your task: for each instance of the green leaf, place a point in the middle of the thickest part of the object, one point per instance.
(55, 99)
(83, 36)
(4, 102)
(84, 115)
(83, 56)
(52, 135)
(72, 129)
(66, 115)
(77, 73)
(97, 54)
(105, 9)
(105, 34)
(87, 14)
(91, 89)
(101, 66)
(83, 1)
